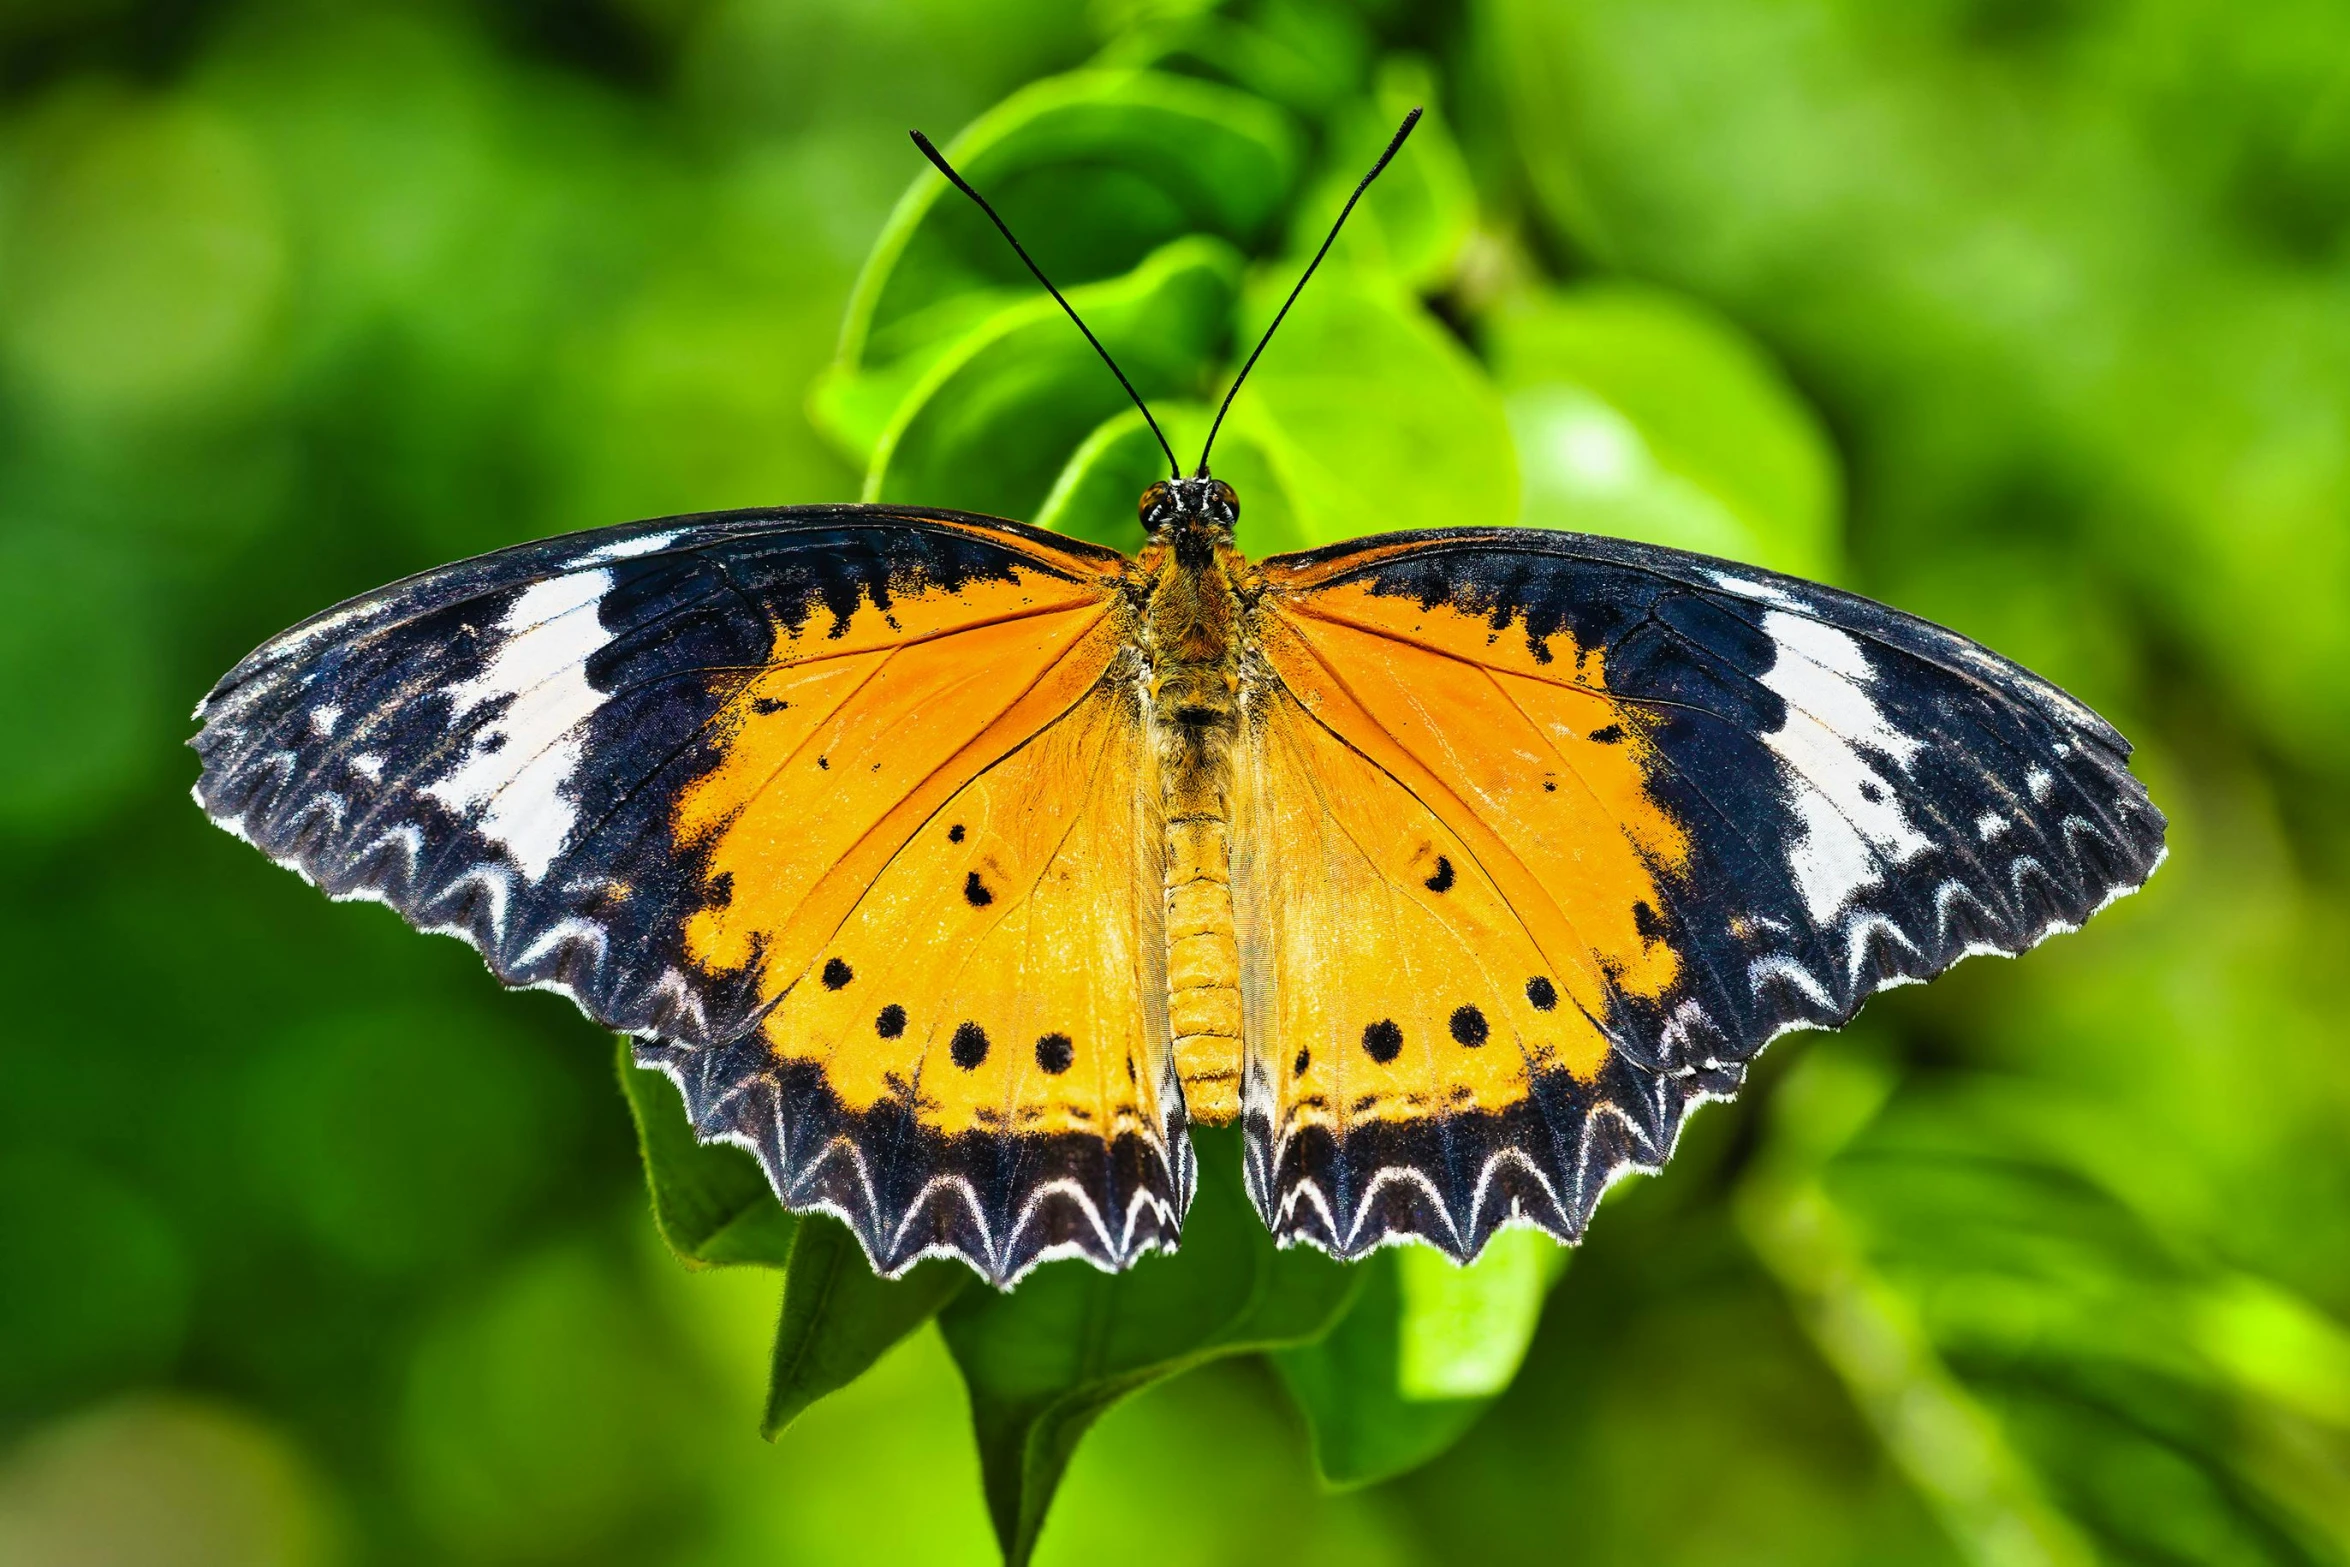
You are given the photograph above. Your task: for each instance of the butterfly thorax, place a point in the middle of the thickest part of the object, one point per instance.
(1191, 643)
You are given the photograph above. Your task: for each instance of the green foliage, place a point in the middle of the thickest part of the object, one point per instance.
(1425, 1349)
(2043, 1361)
(839, 1316)
(985, 427)
(2026, 318)
(1047, 1359)
(710, 1200)
(1371, 418)
(1638, 414)
(1094, 172)
(959, 383)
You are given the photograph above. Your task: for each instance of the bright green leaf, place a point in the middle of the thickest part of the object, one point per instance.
(1427, 1347)
(1094, 171)
(1098, 492)
(2051, 1373)
(2278, 1347)
(1372, 418)
(711, 1201)
(1463, 1332)
(992, 421)
(1638, 414)
(839, 1316)
(1350, 1388)
(1045, 1360)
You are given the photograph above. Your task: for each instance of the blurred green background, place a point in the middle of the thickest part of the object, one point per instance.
(2032, 316)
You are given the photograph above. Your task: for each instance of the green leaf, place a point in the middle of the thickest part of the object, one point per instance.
(1640, 415)
(1306, 55)
(1371, 417)
(1046, 1360)
(1463, 1332)
(1094, 171)
(711, 1201)
(1413, 224)
(993, 419)
(1425, 1350)
(839, 1316)
(2052, 1374)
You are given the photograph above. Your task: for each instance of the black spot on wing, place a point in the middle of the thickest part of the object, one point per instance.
(1383, 1041)
(969, 1046)
(1054, 1053)
(1442, 880)
(890, 1022)
(1469, 1027)
(1541, 994)
(975, 892)
(837, 974)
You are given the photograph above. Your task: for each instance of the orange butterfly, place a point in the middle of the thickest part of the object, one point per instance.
(953, 867)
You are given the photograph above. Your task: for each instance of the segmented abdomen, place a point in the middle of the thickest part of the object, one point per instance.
(1203, 963)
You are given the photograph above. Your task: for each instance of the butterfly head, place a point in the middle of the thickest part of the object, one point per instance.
(1193, 515)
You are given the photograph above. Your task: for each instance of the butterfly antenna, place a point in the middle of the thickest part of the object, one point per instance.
(1385, 158)
(963, 185)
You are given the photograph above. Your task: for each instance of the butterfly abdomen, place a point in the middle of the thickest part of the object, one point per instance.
(1203, 968)
(1189, 636)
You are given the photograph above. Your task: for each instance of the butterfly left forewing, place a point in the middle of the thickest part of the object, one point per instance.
(661, 768)
(1717, 803)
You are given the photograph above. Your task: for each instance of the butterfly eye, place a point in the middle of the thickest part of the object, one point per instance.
(1155, 502)
(1223, 504)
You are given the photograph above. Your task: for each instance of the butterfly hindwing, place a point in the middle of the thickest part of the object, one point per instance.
(669, 769)
(1714, 803)
(976, 1061)
(1405, 1021)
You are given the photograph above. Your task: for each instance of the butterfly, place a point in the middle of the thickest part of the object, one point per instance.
(954, 868)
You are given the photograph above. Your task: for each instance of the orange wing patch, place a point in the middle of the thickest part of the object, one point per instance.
(1006, 973)
(1384, 975)
(1453, 878)
(837, 752)
(1521, 752)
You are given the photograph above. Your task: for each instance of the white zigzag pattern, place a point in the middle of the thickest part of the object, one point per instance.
(1673, 1108)
(1117, 1246)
